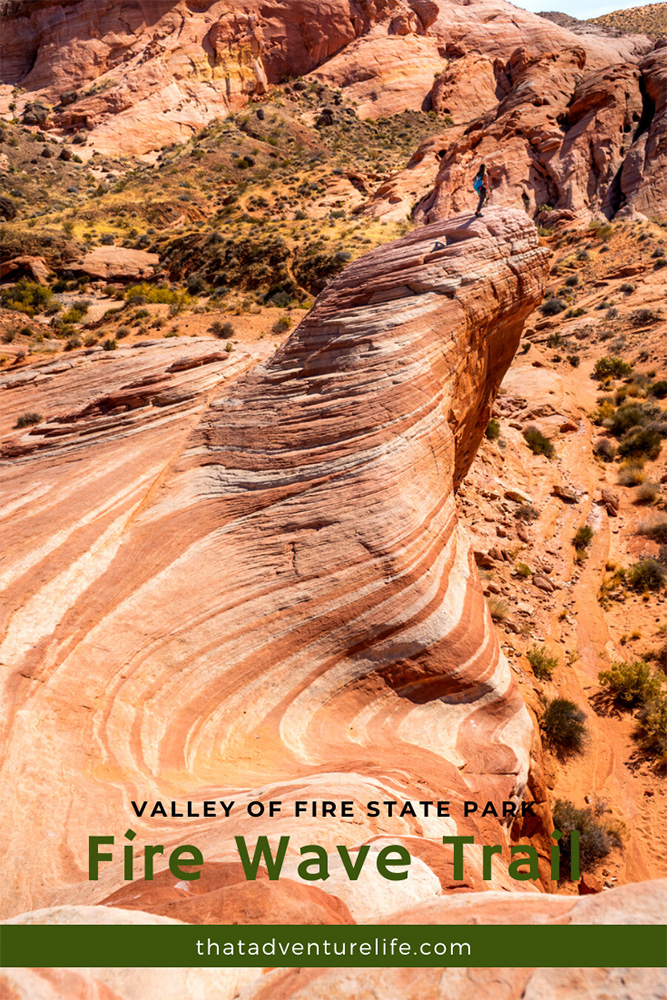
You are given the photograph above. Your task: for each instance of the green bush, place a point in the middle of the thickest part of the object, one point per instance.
(596, 838)
(25, 296)
(553, 306)
(604, 449)
(222, 330)
(640, 441)
(647, 574)
(109, 344)
(655, 530)
(652, 727)
(583, 537)
(492, 431)
(630, 683)
(631, 474)
(543, 665)
(564, 727)
(28, 419)
(538, 443)
(631, 415)
(611, 367)
(138, 294)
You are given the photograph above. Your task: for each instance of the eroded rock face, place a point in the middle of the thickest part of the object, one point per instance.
(565, 137)
(260, 590)
(140, 76)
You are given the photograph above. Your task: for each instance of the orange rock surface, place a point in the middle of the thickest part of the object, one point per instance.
(258, 590)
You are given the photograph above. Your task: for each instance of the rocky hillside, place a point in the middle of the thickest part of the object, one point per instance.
(650, 20)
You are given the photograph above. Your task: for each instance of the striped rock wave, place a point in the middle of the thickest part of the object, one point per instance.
(266, 596)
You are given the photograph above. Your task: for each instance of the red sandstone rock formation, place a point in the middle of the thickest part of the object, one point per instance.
(637, 903)
(140, 76)
(562, 134)
(259, 590)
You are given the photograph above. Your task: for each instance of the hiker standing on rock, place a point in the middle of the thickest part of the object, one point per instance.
(481, 186)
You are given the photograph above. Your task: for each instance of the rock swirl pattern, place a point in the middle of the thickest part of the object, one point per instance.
(275, 602)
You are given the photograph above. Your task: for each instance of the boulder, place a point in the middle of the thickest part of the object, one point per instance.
(118, 264)
(36, 267)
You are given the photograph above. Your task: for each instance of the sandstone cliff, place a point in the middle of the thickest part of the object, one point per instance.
(279, 603)
(139, 76)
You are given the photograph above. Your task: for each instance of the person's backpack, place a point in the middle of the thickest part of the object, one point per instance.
(478, 183)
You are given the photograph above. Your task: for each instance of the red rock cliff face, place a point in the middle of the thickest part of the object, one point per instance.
(562, 136)
(282, 605)
(151, 72)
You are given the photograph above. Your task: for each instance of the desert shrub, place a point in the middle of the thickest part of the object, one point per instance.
(137, 294)
(610, 367)
(196, 284)
(631, 474)
(630, 683)
(523, 570)
(499, 608)
(574, 360)
(659, 389)
(605, 412)
(29, 419)
(109, 344)
(604, 449)
(630, 415)
(647, 493)
(564, 727)
(25, 296)
(647, 574)
(538, 443)
(596, 838)
(640, 441)
(526, 512)
(75, 313)
(222, 330)
(583, 537)
(627, 288)
(543, 665)
(655, 530)
(644, 317)
(652, 726)
(282, 324)
(572, 281)
(553, 306)
(229, 347)
(492, 431)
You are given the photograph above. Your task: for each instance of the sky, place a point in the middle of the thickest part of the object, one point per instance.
(580, 8)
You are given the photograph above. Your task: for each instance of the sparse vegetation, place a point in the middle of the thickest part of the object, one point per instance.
(498, 608)
(543, 665)
(553, 306)
(538, 443)
(28, 419)
(27, 297)
(631, 474)
(583, 537)
(630, 683)
(492, 429)
(647, 574)
(597, 838)
(656, 530)
(610, 367)
(564, 727)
